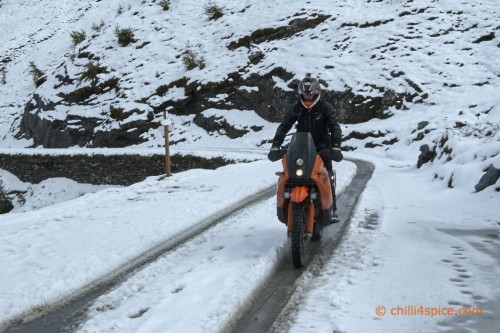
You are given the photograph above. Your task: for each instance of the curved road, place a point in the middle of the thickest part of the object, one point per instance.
(264, 306)
(272, 297)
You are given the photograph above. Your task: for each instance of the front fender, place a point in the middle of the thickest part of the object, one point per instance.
(299, 194)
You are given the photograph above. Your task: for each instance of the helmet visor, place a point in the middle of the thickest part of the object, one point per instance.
(310, 95)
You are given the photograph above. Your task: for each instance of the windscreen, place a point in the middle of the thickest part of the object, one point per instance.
(301, 146)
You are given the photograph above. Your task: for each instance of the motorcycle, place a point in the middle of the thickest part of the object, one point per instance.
(304, 194)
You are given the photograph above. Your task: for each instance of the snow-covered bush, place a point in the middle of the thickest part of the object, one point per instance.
(125, 36)
(91, 71)
(37, 74)
(77, 37)
(192, 59)
(97, 27)
(165, 4)
(213, 11)
(5, 202)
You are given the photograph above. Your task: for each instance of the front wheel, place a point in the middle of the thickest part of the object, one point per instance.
(298, 236)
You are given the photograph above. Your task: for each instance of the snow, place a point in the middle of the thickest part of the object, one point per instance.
(123, 222)
(46, 193)
(411, 243)
(419, 237)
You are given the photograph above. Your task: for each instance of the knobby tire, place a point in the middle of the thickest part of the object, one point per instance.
(298, 239)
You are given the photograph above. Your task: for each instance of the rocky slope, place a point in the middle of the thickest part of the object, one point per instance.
(402, 62)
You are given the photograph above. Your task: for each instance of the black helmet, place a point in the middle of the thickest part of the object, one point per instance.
(309, 91)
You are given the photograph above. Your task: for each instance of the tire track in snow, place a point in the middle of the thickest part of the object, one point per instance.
(67, 313)
(54, 317)
(261, 311)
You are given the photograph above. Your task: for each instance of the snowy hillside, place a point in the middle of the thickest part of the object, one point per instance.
(419, 236)
(442, 54)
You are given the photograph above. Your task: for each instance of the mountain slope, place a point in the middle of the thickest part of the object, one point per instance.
(414, 62)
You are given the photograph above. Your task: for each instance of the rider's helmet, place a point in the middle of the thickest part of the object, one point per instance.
(309, 91)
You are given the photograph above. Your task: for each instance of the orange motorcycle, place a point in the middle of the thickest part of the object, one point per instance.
(304, 196)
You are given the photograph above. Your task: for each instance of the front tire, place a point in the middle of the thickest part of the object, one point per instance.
(298, 236)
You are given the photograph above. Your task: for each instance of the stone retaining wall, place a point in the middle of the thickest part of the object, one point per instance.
(100, 169)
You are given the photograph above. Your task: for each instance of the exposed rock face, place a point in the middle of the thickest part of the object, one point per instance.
(265, 98)
(76, 130)
(271, 102)
(490, 177)
(54, 133)
(219, 125)
(293, 27)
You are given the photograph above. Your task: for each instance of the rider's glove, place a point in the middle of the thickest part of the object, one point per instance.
(274, 154)
(336, 154)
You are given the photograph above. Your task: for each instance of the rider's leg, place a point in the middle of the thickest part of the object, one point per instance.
(329, 167)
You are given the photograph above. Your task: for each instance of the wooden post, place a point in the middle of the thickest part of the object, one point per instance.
(167, 145)
(2, 76)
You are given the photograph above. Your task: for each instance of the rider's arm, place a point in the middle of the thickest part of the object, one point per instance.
(288, 120)
(333, 126)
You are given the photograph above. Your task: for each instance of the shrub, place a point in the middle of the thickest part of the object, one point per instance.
(120, 10)
(213, 11)
(125, 36)
(5, 202)
(37, 74)
(165, 4)
(115, 113)
(201, 62)
(191, 59)
(97, 27)
(91, 71)
(77, 37)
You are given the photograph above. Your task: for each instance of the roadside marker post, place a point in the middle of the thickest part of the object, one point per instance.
(166, 122)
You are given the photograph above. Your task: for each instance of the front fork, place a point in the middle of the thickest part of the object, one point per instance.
(298, 195)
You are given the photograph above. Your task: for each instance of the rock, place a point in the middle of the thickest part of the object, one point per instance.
(489, 178)
(268, 34)
(77, 130)
(256, 57)
(426, 155)
(218, 125)
(422, 124)
(420, 136)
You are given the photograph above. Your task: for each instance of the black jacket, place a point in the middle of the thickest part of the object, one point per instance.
(321, 121)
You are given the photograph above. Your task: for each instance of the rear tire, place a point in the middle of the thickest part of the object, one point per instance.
(298, 236)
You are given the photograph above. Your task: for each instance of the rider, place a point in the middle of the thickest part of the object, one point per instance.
(316, 117)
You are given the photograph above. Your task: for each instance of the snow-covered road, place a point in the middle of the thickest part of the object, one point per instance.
(203, 284)
(81, 240)
(411, 242)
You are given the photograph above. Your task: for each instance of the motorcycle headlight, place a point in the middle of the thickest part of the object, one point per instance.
(299, 172)
(299, 162)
